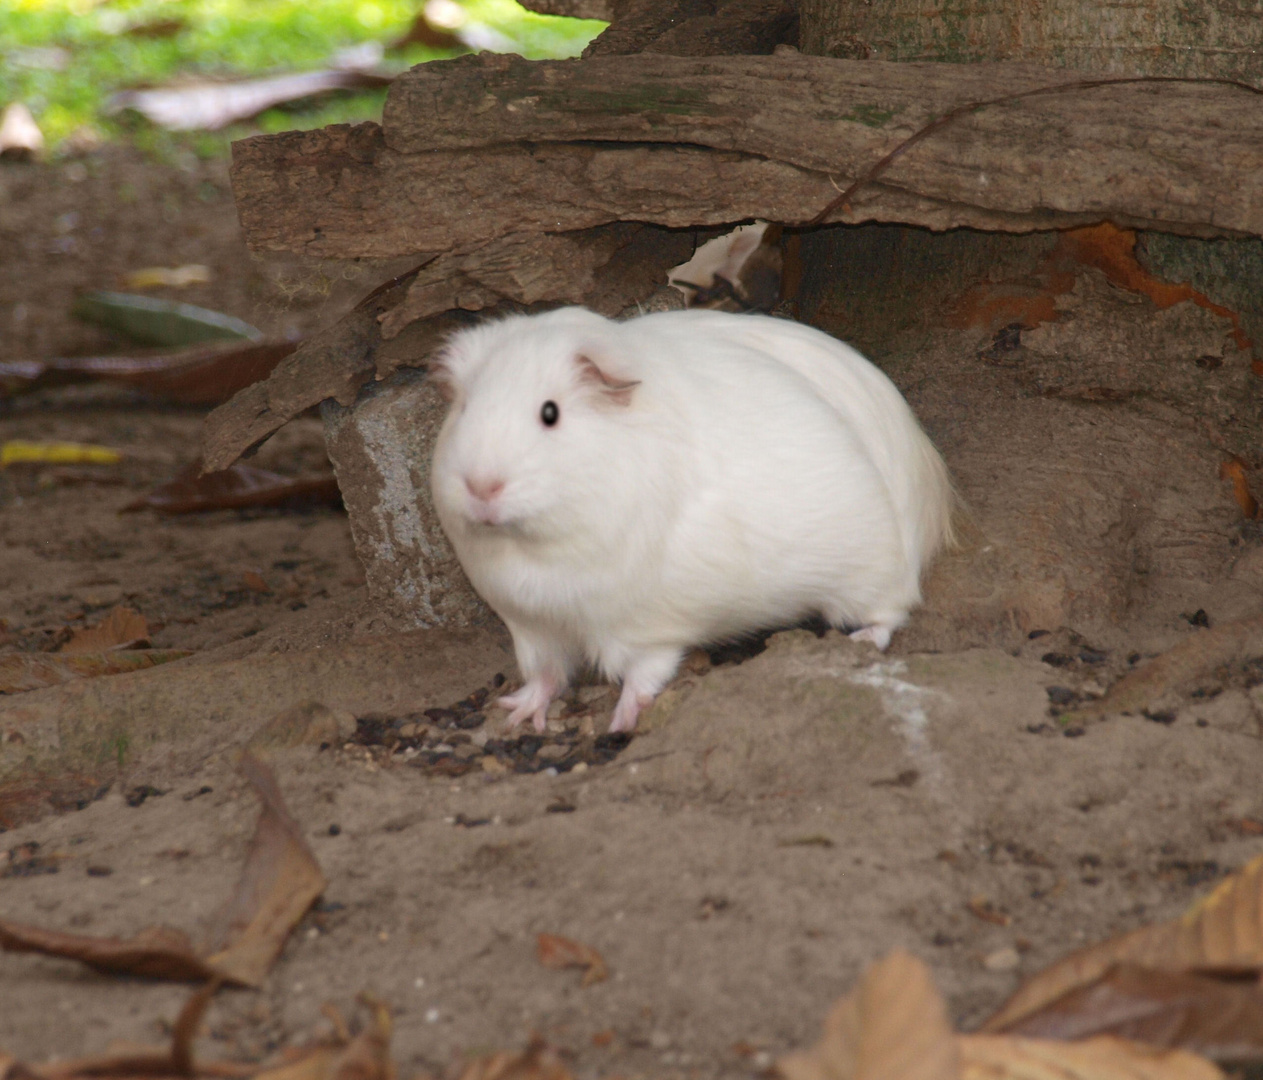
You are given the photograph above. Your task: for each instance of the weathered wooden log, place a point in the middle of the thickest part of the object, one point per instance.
(1144, 37)
(697, 27)
(481, 147)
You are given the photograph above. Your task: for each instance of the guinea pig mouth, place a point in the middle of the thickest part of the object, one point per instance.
(480, 512)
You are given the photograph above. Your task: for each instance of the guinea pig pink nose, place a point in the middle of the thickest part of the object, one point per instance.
(483, 489)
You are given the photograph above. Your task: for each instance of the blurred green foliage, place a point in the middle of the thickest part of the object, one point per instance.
(64, 58)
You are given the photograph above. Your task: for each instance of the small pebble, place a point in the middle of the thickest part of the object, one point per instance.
(407, 731)
(431, 1016)
(1005, 959)
(556, 709)
(589, 694)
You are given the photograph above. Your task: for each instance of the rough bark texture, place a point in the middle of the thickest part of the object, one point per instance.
(697, 27)
(574, 9)
(1122, 37)
(481, 147)
(607, 268)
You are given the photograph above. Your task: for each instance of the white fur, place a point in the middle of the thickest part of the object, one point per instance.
(759, 472)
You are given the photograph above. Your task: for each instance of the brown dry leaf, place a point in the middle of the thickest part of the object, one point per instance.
(559, 952)
(893, 1026)
(279, 882)
(237, 487)
(206, 374)
(365, 1056)
(157, 952)
(1216, 1018)
(122, 628)
(536, 1062)
(20, 672)
(1006, 1057)
(1221, 933)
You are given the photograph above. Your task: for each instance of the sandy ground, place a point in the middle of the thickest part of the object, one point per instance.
(778, 824)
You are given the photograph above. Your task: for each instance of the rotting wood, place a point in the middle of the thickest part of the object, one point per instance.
(481, 147)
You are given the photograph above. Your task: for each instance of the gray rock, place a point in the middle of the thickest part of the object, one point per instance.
(380, 447)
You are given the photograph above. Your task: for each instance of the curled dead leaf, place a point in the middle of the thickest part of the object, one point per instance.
(559, 952)
(365, 1056)
(279, 882)
(1222, 933)
(892, 1026)
(1219, 1019)
(206, 374)
(157, 952)
(236, 488)
(996, 1057)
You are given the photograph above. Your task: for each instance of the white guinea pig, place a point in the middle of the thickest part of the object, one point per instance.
(619, 492)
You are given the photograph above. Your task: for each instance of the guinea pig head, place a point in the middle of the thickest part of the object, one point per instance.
(535, 403)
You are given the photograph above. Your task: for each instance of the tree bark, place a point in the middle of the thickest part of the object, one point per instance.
(1198, 38)
(482, 147)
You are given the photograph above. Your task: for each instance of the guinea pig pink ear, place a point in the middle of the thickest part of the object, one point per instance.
(614, 390)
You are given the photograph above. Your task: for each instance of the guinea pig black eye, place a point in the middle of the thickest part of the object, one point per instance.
(549, 413)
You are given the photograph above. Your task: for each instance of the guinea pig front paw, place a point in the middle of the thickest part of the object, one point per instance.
(531, 701)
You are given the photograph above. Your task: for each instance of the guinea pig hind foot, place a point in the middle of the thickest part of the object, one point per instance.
(627, 711)
(878, 634)
(647, 675)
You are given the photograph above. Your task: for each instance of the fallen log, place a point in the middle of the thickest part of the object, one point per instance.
(477, 148)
